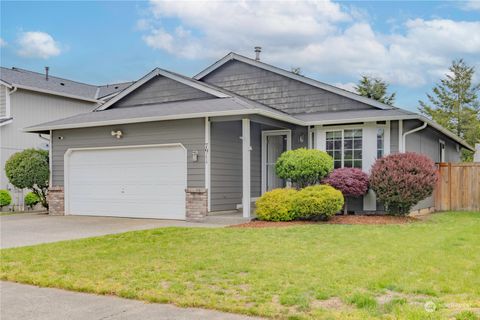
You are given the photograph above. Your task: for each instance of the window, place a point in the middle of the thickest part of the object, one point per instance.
(380, 142)
(345, 147)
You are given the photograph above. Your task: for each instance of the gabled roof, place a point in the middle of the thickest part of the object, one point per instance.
(168, 74)
(34, 81)
(327, 87)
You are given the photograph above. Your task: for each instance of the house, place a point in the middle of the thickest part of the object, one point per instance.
(27, 98)
(175, 147)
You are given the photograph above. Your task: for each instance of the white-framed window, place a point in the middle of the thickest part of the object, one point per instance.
(345, 147)
(380, 142)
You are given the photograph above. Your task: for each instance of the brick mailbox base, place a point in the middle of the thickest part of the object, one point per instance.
(56, 201)
(196, 204)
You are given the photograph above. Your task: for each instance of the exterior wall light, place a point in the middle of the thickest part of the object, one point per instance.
(195, 156)
(117, 134)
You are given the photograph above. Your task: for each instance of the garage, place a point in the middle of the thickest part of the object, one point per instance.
(133, 181)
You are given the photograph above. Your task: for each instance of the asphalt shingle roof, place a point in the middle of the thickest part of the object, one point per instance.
(34, 80)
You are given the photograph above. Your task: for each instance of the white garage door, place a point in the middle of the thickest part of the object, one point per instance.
(138, 182)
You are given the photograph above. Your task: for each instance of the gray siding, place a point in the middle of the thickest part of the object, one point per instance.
(3, 101)
(191, 133)
(394, 137)
(29, 108)
(226, 165)
(161, 89)
(278, 91)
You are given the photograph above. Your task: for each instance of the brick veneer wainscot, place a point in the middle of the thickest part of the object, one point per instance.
(196, 204)
(56, 201)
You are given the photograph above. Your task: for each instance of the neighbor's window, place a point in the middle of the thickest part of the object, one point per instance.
(345, 147)
(380, 142)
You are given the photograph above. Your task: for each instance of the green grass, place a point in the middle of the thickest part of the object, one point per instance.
(387, 271)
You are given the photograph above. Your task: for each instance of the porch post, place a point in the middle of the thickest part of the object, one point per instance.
(246, 167)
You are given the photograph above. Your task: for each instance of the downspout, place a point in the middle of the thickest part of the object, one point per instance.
(423, 126)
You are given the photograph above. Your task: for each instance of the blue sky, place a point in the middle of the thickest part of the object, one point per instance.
(409, 44)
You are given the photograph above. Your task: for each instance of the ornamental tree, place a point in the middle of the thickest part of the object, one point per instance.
(304, 167)
(401, 180)
(29, 169)
(352, 182)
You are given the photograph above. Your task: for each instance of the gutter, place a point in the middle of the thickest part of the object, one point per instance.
(404, 136)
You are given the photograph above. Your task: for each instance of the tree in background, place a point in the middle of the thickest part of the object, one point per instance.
(375, 88)
(29, 169)
(454, 104)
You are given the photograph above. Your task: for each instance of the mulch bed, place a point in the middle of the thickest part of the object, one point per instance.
(350, 219)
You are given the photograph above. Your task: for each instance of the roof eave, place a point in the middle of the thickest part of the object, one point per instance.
(55, 93)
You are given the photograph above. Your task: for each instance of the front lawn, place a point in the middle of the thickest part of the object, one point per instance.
(304, 271)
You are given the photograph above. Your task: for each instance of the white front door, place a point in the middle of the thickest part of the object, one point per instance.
(274, 143)
(137, 182)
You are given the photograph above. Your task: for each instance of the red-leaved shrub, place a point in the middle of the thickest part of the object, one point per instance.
(352, 182)
(402, 180)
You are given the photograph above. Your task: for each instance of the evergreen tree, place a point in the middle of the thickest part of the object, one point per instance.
(454, 104)
(376, 89)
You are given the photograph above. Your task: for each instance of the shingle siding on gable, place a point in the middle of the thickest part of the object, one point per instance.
(278, 91)
(158, 90)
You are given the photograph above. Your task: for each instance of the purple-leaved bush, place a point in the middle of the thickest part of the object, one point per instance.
(352, 182)
(401, 180)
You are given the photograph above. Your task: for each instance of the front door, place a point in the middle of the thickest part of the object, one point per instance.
(274, 144)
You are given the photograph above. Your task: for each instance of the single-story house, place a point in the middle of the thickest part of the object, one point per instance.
(174, 147)
(28, 98)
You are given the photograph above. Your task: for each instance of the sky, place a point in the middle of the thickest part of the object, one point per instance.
(408, 44)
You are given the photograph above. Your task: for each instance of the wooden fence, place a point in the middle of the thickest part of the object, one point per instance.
(458, 187)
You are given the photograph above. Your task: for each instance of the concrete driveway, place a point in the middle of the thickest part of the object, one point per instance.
(19, 301)
(28, 229)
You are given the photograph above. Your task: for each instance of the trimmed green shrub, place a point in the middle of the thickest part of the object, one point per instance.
(304, 167)
(5, 198)
(31, 200)
(276, 205)
(317, 202)
(29, 169)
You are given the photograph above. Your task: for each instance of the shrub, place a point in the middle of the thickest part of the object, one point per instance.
(317, 202)
(31, 199)
(304, 167)
(29, 169)
(276, 205)
(5, 198)
(352, 182)
(402, 180)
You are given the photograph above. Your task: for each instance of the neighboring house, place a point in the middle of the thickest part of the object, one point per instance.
(27, 98)
(216, 137)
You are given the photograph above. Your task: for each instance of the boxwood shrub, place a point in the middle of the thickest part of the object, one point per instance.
(31, 199)
(317, 202)
(276, 205)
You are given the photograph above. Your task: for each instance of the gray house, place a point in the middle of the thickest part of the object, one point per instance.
(27, 98)
(174, 147)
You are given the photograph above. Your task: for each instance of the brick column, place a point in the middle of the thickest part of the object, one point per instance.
(196, 204)
(56, 201)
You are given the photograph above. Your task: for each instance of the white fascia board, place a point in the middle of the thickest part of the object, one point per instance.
(55, 93)
(6, 84)
(288, 74)
(365, 119)
(6, 122)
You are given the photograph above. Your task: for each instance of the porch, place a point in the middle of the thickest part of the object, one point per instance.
(240, 161)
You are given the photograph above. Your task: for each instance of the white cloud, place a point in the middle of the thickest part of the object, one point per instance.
(3, 43)
(471, 5)
(319, 36)
(36, 44)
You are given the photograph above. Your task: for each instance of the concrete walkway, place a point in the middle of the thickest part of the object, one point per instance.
(28, 229)
(18, 301)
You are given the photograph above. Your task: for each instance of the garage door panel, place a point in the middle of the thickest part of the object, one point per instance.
(144, 182)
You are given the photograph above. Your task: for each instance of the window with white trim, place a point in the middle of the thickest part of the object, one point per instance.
(345, 147)
(380, 142)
